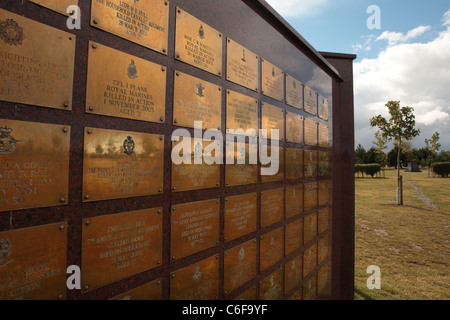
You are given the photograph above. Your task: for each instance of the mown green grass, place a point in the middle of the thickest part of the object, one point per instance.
(410, 243)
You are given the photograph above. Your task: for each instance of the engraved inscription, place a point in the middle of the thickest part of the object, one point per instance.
(310, 132)
(310, 225)
(294, 128)
(323, 135)
(272, 81)
(240, 215)
(239, 265)
(310, 100)
(272, 202)
(310, 163)
(323, 108)
(294, 201)
(271, 287)
(293, 274)
(294, 92)
(293, 237)
(271, 250)
(242, 66)
(294, 163)
(310, 196)
(272, 118)
(242, 113)
(309, 260)
(240, 171)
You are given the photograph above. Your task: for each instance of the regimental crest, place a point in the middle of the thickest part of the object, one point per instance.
(5, 252)
(11, 32)
(243, 55)
(241, 254)
(201, 32)
(128, 146)
(197, 275)
(132, 70)
(198, 151)
(7, 143)
(200, 89)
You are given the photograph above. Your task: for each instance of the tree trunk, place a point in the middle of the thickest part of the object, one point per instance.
(399, 182)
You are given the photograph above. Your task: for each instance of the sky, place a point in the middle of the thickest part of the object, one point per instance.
(406, 59)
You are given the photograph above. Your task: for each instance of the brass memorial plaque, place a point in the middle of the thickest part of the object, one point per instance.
(272, 81)
(37, 63)
(294, 163)
(294, 92)
(121, 164)
(143, 22)
(309, 289)
(310, 100)
(294, 127)
(194, 227)
(59, 6)
(323, 108)
(196, 100)
(124, 86)
(198, 44)
(272, 118)
(322, 250)
(199, 281)
(309, 260)
(242, 114)
(324, 193)
(238, 167)
(35, 164)
(293, 236)
(292, 274)
(310, 132)
(310, 227)
(271, 288)
(242, 66)
(149, 291)
(239, 265)
(117, 246)
(240, 215)
(194, 172)
(271, 248)
(33, 263)
(276, 164)
(323, 136)
(323, 224)
(294, 201)
(272, 206)
(324, 163)
(311, 163)
(310, 196)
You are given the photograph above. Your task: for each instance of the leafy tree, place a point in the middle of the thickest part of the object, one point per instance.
(380, 146)
(433, 145)
(360, 154)
(400, 126)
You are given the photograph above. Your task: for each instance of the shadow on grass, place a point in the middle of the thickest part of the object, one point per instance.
(363, 295)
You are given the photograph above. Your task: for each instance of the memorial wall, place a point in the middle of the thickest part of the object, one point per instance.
(89, 123)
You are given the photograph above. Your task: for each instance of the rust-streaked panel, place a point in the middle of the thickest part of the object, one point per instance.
(199, 281)
(34, 164)
(323, 136)
(240, 215)
(324, 280)
(117, 246)
(294, 92)
(239, 265)
(271, 288)
(292, 274)
(272, 81)
(324, 163)
(37, 63)
(149, 291)
(324, 192)
(121, 164)
(310, 227)
(276, 164)
(239, 169)
(249, 294)
(294, 201)
(310, 196)
(188, 175)
(242, 114)
(242, 66)
(59, 6)
(124, 86)
(194, 227)
(311, 163)
(323, 223)
(322, 249)
(197, 43)
(309, 260)
(272, 206)
(310, 97)
(311, 132)
(323, 108)
(143, 22)
(294, 163)
(309, 289)
(271, 248)
(196, 100)
(294, 127)
(272, 118)
(293, 236)
(33, 263)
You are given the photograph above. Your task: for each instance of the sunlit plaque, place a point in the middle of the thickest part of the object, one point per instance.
(37, 63)
(271, 248)
(143, 22)
(294, 127)
(323, 136)
(309, 289)
(239, 265)
(310, 227)
(324, 280)
(294, 92)
(323, 108)
(272, 81)
(197, 43)
(121, 164)
(242, 114)
(324, 192)
(275, 167)
(311, 163)
(249, 294)
(311, 132)
(323, 223)
(322, 249)
(310, 196)
(239, 168)
(310, 97)
(293, 236)
(117, 246)
(324, 163)
(33, 263)
(292, 274)
(271, 288)
(194, 227)
(149, 291)
(124, 86)
(272, 206)
(199, 281)
(34, 164)
(309, 260)
(195, 172)
(294, 201)
(272, 118)
(294, 163)
(59, 6)
(242, 66)
(240, 215)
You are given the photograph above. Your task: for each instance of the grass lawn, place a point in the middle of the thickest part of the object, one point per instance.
(410, 243)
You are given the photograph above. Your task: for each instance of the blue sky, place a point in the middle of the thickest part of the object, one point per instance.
(407, 59)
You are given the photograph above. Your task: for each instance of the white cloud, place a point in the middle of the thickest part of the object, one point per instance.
(397, 37)
(298, 8)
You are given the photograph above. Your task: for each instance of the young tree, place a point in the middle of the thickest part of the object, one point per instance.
(380, 146)
(433, 145)
(401, 125)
